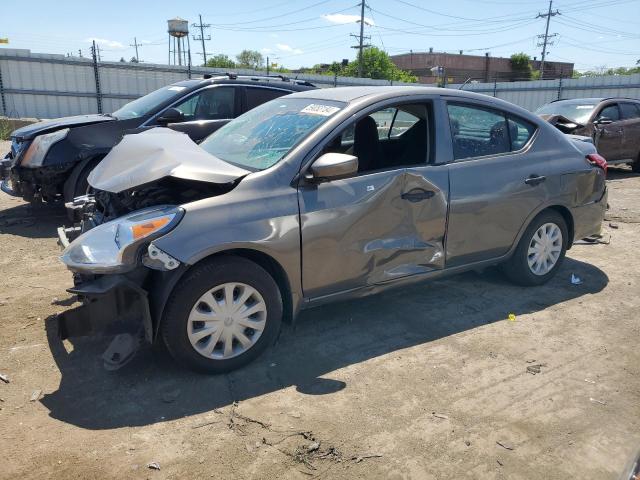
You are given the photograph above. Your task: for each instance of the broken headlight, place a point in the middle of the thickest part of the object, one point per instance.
(34, 156)
(113, 246)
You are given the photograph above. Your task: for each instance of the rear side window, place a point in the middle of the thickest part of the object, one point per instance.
(258, 96)
(610, 112)
(630, 111)
(478, 132)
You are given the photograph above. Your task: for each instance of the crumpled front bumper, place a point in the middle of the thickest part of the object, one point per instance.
(112, 304)
(5, 177)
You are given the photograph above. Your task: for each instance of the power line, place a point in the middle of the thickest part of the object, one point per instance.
(546, 35)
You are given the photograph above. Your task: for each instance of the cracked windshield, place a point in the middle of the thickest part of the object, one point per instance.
(263, 136)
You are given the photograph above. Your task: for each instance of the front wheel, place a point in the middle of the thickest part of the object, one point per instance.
(222, 315)
(540, 251)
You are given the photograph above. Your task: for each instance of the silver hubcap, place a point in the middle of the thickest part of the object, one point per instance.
(227, 321)
(544, 249)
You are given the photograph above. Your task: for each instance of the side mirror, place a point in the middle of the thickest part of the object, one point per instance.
(170, 115)
(603, 121)
(331, 166)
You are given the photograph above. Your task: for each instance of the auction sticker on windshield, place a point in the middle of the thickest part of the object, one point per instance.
(316, 109)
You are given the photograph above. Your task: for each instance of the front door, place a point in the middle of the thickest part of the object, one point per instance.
(608, 137)
(386, 222)
(494, 184)
(206, 111)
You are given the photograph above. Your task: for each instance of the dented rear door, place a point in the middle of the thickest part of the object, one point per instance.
(372, 228)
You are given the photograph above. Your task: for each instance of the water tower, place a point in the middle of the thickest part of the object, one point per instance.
(178, 29)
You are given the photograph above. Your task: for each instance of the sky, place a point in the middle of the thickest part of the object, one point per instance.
(593, 34)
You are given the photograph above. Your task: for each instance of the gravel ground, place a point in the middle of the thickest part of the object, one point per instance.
(429, 382)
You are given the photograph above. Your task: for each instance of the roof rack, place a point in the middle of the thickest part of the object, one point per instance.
(256, 78)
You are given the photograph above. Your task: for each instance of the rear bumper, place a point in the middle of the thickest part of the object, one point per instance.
(587, 219)
(112, 304)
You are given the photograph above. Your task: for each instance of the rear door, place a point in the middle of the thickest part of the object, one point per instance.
(608, 137)
(630, 113)
(377, 226)
(495, 183)
(207, 110)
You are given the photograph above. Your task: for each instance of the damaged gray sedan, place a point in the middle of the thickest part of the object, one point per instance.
(315, 197)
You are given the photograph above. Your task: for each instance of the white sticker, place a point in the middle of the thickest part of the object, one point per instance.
(584, 107)
(315, 109)
(177, 89)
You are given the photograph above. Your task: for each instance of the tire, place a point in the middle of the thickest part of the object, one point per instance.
(78, 184)
(193, 298)
(518, 268)
(635, 166)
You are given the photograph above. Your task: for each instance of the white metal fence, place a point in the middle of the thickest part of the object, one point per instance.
(48, 86)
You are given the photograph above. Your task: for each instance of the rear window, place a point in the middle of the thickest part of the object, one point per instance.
(259, 95)
(478, 132)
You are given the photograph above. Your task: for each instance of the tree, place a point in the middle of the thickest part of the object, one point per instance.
(133, 60)
(122, 59)
(250, 59)
(221, 61)
(521, 65)
(377, 64)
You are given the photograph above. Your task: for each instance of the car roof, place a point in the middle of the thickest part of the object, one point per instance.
(376, 93)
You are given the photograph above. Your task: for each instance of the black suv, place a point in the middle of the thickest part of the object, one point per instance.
(52, 159)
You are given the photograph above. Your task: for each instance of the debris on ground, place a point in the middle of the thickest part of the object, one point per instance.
(505, 445)
(575, 280)
(614, 225)
(512, 317)
(440, 415)
(35, 395)
(360, 458)
(4, 378)
(534, 369)
(589, 381)
(595, 400)
(499, 462)
(153, 466)
(467, 443)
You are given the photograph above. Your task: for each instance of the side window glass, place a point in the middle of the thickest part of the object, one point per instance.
(188, 107)
(364, 140)
(402, 122)
(477, 132)
(383, 119)
(520, 131)
(258, 96)
(630, 111)
(211, 104)
(610, 112)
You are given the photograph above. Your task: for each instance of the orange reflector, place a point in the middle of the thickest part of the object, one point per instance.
(143, 229)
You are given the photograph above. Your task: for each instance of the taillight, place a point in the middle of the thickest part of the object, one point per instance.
(598, 161)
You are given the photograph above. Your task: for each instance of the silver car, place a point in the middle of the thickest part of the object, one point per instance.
(315, 197)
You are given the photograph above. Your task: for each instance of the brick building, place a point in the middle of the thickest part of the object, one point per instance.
(459, 67)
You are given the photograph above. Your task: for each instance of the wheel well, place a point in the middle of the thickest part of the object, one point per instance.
(568, 218)
(272, 267)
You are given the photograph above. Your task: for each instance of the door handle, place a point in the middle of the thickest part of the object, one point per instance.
(417, 195)
(535, 179)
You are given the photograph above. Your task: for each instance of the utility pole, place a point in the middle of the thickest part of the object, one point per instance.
(136, 44)
(202, 38)
(361, 45)
(546, 35)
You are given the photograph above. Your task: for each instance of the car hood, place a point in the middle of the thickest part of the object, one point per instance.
(155, 154)
(45, 126)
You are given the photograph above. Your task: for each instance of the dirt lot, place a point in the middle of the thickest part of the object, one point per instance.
(430, 382)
